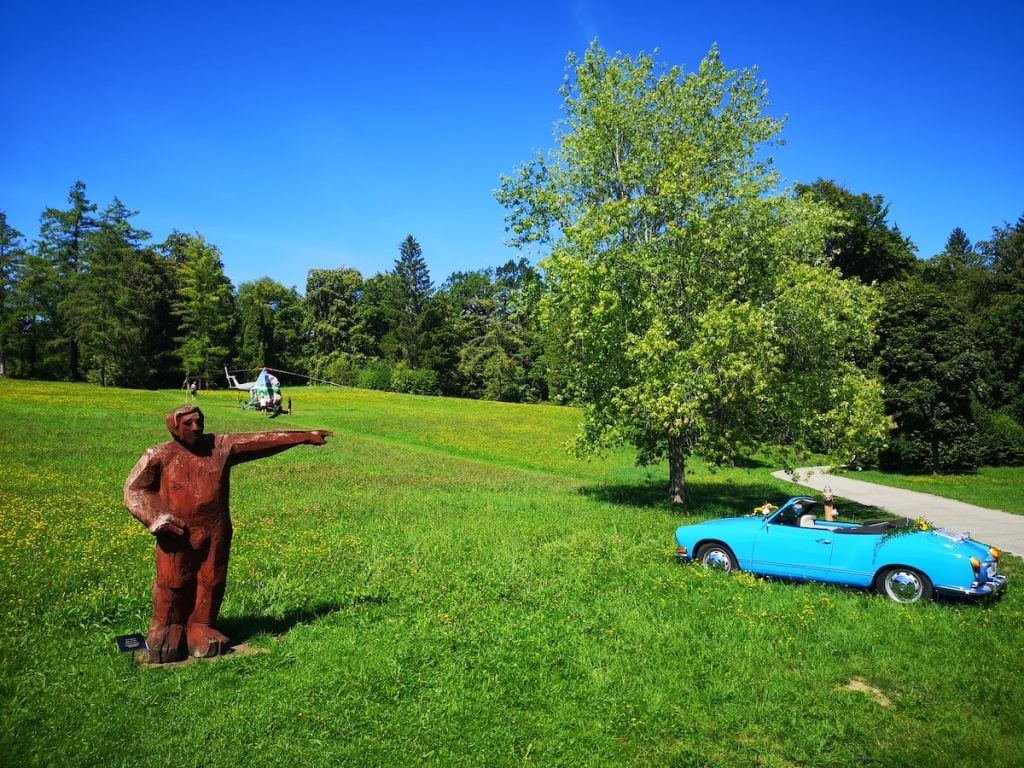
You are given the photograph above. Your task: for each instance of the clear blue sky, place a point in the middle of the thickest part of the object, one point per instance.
(319, 134)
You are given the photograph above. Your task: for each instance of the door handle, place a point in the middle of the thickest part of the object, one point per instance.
(824, 541)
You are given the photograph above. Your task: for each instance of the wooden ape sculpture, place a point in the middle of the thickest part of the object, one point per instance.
(179, 490)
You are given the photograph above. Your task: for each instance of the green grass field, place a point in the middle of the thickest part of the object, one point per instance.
(442, 585)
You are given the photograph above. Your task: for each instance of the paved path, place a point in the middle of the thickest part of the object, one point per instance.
(998, 529)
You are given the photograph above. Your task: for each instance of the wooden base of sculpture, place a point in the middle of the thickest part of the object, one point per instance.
(229, 652)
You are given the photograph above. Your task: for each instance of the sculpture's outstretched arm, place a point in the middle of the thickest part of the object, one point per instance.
(248, 446)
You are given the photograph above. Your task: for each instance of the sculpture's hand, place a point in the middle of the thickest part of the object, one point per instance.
(319, 436)
(167, 523)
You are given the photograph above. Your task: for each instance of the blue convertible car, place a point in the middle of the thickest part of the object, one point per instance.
(901, 559)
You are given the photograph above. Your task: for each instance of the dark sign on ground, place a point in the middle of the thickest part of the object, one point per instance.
(131, 643)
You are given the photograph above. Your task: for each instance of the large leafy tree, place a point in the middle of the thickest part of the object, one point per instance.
(35, 299)
(270, 326)
(470, 300)
(862, 244)
(205, 306)
(379, 315)
(439, 346)
(1001, 318)
(498, 345)
(330, 314)
(931, 369)
(12, 259)
(693, 304)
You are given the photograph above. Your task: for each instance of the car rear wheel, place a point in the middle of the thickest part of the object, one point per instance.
(904, 585)
(717, 557)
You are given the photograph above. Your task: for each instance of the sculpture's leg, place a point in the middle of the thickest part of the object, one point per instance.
(203, 639)
(166, 638)
(174, 593)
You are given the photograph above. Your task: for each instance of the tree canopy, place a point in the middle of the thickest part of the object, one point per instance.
(205, 307)
(694, 305)
(12, 259)
(931, 370)
(861, 243)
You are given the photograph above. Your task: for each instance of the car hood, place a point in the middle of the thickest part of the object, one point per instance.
(959, 541)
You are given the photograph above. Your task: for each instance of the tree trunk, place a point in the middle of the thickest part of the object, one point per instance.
(676, 467)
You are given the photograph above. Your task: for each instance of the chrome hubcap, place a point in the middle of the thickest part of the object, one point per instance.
(904, 586)
(717, 560)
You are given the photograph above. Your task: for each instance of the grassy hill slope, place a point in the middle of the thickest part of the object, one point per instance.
(442, 585)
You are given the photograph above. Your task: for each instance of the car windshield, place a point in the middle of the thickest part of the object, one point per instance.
(791, 512)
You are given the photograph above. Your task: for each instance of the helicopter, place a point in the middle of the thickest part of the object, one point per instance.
(233, 382)
(265, 390)
(248, 386)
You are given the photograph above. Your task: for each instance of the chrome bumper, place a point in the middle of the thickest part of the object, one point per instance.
(991, 588)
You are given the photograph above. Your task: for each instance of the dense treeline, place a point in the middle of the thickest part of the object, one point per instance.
(951, 346)
(91, 298)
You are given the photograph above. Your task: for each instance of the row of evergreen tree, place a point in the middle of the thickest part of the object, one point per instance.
(91, 298)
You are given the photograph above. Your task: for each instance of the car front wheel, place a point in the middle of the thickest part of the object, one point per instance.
(717, 557)
(904, 585)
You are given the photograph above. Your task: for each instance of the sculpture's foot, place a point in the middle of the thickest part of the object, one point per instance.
(165, 644)
(205, 641)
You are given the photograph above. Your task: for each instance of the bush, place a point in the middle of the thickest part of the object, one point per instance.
(337, 368)
(375, 375)
(413, 381)
(1001, 438)
(954, 448)
(397, 377)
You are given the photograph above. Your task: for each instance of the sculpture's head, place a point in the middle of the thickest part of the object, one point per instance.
(186, 424)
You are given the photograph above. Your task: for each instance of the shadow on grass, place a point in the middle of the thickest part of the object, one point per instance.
(717, 499)
(702, 498)
(242, 628)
